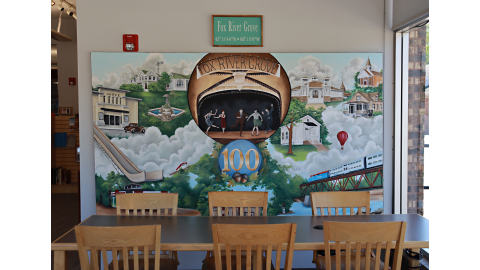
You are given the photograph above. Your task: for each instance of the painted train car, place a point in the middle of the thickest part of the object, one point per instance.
(356, 165)
(319, 176)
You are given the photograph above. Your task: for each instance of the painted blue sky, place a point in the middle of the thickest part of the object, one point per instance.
(338, 66)
(107, 67)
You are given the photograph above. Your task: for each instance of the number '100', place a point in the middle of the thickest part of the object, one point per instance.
(229, 159)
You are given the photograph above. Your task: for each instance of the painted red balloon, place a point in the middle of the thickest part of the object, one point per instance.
(342, 137)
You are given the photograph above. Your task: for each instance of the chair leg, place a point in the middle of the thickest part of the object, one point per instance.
(175, 256)
(209, 254)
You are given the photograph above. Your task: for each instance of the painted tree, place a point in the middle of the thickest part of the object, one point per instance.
(173, 94)
(298, 110)
(161, 84)
(132, 87)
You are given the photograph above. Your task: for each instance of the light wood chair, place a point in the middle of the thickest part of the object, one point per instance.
(338, 200)
(151, 202)
(234, 203)
(238, 237)
(100, 240)
(354, 236)
(158, 203)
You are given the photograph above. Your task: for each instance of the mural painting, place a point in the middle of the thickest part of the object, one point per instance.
(190, 123)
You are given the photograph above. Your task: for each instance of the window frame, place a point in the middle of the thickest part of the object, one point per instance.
(400, 155)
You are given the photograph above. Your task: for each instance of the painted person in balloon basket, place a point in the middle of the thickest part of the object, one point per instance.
(269, 115)
(240, 116)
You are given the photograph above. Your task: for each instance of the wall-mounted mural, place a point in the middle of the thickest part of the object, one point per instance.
(171, 122)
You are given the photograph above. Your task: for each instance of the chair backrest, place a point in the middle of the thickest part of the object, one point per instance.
(239, 237)
(237, 203)
(364, 235)
(158, 202)
(117, 239)
(340, 200)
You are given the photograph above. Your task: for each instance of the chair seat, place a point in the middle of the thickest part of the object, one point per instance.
(322, 263)
(164, 264)
(209, 263)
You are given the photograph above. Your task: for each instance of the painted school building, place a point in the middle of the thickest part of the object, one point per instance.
(113, 109)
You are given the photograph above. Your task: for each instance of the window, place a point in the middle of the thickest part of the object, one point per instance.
(125, 118)
(373, 106)
(411, 116)
(282, 135)
(149, 78)
(376, 98)
(286, 135)
(100, 116)
(179, 83)
(103, 99)
(358, 98)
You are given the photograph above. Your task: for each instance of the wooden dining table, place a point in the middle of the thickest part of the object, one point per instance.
(194, 233)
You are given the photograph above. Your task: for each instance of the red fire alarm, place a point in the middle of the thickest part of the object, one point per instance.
(72, 81)
(130, 43)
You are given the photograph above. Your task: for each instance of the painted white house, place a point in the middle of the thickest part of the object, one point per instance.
(314, 92)
(144, 78)
(178, 82)
(308, 130)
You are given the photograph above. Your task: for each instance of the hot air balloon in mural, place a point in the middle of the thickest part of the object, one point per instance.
(342, 137)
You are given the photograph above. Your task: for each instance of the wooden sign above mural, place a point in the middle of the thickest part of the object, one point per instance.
(237, 30)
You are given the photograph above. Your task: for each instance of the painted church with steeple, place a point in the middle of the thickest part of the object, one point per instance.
(369, 78)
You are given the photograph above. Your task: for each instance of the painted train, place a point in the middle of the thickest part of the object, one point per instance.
(356, 165)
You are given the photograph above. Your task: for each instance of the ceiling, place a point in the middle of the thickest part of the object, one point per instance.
(56, 12)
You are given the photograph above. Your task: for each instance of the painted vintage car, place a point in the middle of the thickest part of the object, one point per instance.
(134, 127)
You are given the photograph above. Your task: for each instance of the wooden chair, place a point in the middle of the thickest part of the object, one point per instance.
(238, 237)
(357, 236)
(234, 203)
(245, 203)
(158, 203)
(99, 240)
(338, 200)
(152, 202)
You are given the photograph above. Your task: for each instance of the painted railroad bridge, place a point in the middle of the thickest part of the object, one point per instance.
(371, 178)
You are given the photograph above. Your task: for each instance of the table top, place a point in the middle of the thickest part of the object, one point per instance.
(195, 233)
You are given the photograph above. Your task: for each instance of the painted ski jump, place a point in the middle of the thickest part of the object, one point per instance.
(121, 161)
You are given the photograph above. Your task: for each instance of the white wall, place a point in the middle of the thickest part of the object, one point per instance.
(67, 63)
(185, 26)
